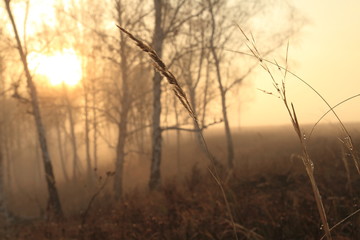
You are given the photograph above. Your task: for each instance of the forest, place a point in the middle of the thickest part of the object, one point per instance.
(116, 122)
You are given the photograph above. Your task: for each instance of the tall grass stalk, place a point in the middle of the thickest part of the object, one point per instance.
(330, 110)
(347, 169)
(342, 221)
(281, 91)
(180, 94)
(347, 140)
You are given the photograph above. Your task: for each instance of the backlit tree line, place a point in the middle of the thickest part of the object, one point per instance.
(121, 101)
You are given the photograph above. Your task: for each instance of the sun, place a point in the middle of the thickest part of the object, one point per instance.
(58, 68)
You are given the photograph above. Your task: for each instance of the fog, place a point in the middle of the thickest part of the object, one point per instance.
(107, 108)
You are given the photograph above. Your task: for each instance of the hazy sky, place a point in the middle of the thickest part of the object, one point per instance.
(326, 55)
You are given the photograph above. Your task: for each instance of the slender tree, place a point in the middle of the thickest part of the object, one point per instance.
(70, 112)
(158, 40)
(215, 56)
(116, 93)
(125, 100)
(60, 147)
(192, 65)
(54, 205)
(221, 33)
(169, 20)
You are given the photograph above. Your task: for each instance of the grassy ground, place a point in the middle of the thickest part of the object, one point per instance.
(269, 194)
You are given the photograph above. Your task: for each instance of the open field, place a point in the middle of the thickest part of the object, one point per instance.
(269, 194)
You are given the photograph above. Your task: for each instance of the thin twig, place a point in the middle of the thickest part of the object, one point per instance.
(192, 129)
(96, 194)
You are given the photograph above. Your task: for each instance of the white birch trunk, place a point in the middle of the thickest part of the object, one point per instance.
(158, 39)
(54, 205)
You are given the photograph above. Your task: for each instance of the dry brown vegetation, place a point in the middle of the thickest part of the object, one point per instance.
(269, 194)
(270, 191)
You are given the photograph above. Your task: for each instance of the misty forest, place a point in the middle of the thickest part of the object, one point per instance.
(117, 122)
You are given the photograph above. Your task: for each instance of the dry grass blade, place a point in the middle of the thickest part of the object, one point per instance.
(330, 110)
(263, 60)
(286, 59)
(294, 120)
(347, 141)
(348, 138)
(342, 221)
(162, 69)
(248, 233)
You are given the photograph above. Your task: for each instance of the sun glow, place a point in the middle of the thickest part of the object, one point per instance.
(60, 67)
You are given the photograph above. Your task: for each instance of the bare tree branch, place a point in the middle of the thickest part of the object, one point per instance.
(192, 129)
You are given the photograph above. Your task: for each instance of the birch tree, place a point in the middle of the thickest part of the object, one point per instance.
(54, 205)
(221, 29)
(71, 117)
(125, 100)
(217, 60)
(158, 40)
(125, 62)
(170, 16)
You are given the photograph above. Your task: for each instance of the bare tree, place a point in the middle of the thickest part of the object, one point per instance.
(158, 39)
(87, 128)
(113, 94)
(221, 33)
(125, 100)
(193, 62)
(125, 78)
(215, 55)
(169, 19)
(61, 150)
(70, 112)
(54, 205)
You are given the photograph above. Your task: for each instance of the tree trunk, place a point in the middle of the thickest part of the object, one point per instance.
(87, 132)
(61, 152)
(2, 140)
(54, 205)
(4, 212)
(120, 158)
(2, 190)
(158, 39)
(76, 162)
(206, 90)
(7, 154)
(198, 134)
(125, 107)
(95, 155)
(178, 140)
(229, 141)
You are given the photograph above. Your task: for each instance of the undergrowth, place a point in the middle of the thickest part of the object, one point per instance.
(269, 205)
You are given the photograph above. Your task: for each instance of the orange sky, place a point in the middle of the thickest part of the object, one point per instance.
(326, 56)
